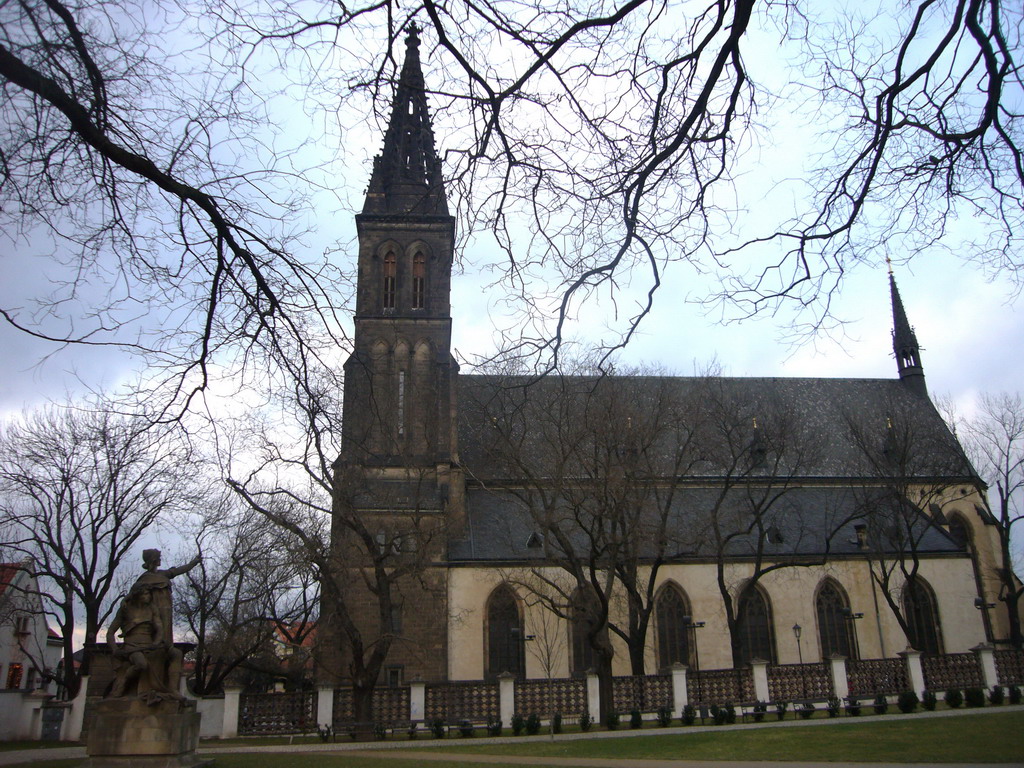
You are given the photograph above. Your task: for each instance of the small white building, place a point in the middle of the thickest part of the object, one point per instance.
(29, 653)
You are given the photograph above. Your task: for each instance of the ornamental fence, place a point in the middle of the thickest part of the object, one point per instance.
(868, 677)
(479, 701)
(792, 682)
(263, 714)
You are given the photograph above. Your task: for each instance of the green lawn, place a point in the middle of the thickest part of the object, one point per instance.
(984, 738)
(988, 738)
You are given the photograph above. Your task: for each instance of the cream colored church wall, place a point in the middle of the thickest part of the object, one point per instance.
(791, 592)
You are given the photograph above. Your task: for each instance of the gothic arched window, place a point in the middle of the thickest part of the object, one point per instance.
(390, 280)
(960, 532)
(922, 615)
(504, 634)
(419, 280)
(835, 623)
(757, 640)
(672, 615)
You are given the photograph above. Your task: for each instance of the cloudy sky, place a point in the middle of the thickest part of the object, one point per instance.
(970, 328)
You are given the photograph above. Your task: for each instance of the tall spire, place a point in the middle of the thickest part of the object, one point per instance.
(904, 342)
(406, 175)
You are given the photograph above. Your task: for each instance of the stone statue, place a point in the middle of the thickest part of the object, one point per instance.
(147, 664)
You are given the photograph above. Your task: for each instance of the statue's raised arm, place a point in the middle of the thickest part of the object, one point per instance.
(159, 581)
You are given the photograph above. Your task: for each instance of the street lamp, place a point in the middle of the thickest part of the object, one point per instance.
(691, 629)
(797, 631)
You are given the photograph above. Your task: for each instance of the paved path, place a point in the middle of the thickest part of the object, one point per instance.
(429, 750)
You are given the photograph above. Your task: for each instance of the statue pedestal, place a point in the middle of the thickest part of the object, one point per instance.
(128, 733)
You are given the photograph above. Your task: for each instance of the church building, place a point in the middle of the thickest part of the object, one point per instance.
(544, 526)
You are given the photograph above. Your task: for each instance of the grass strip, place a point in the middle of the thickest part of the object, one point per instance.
(988, 738)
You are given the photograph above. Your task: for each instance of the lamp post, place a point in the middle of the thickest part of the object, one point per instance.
(798, 631)
(691, 630)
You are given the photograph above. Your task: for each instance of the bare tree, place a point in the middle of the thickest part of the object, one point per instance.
(617, 131)
(755, 518)
(249, 590)
(78, 488)
(595, 462)
(994, 439)
(912, 464)
(368, 565)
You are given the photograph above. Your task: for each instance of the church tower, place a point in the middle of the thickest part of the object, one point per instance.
(394, 492)
(904, 343)
(399, 378)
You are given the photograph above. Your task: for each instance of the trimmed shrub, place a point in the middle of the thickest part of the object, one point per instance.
(996, 695)
(518, 723)
(760, 710)
(689, 715)
(585, 721)
(664, 716)
(881, 704)
(953, 698)
(974, 697)
(611, 721)
(494, 726)
(730, 713)
(718, 715)
(437, 728)
(636, 720)
(929, 701)
(806, 710)
(533, 724)
(556, 722)
(907, 702)
(380, 731)
(465, 729)
(780, 709)
(1015, 696)
(414, 730)
(852, 707)
(324, 732)
(833, 705)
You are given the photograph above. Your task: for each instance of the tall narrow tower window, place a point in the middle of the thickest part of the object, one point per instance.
(419, 281)
(390, 278)
(401, 403)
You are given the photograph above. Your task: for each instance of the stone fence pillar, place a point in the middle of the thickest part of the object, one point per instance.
(75, 717)
(680, 697)
(593, 697)
(417, 701)
(915, 674)
(759, 667)
(232, 706)
(986, 657)
(325, 705)
(840, 683)
(506, 698)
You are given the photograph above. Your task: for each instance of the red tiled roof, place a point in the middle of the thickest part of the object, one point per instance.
(7, 572)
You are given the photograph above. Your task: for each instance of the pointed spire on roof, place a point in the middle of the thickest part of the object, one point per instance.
(406, 175)
(904, 341)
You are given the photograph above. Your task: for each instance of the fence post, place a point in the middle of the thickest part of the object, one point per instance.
(232, 700)
(915, 674)
(840, 683)
(73, 718)
(325, 705)
(985, 654)
(680, 698)
(506, 698)
(759, 667)
(418, 700)
(593, 697)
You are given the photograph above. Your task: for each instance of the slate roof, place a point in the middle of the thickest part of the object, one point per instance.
(824, 495)
(823, 407)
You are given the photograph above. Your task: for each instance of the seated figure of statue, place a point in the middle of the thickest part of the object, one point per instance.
(145, 663)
